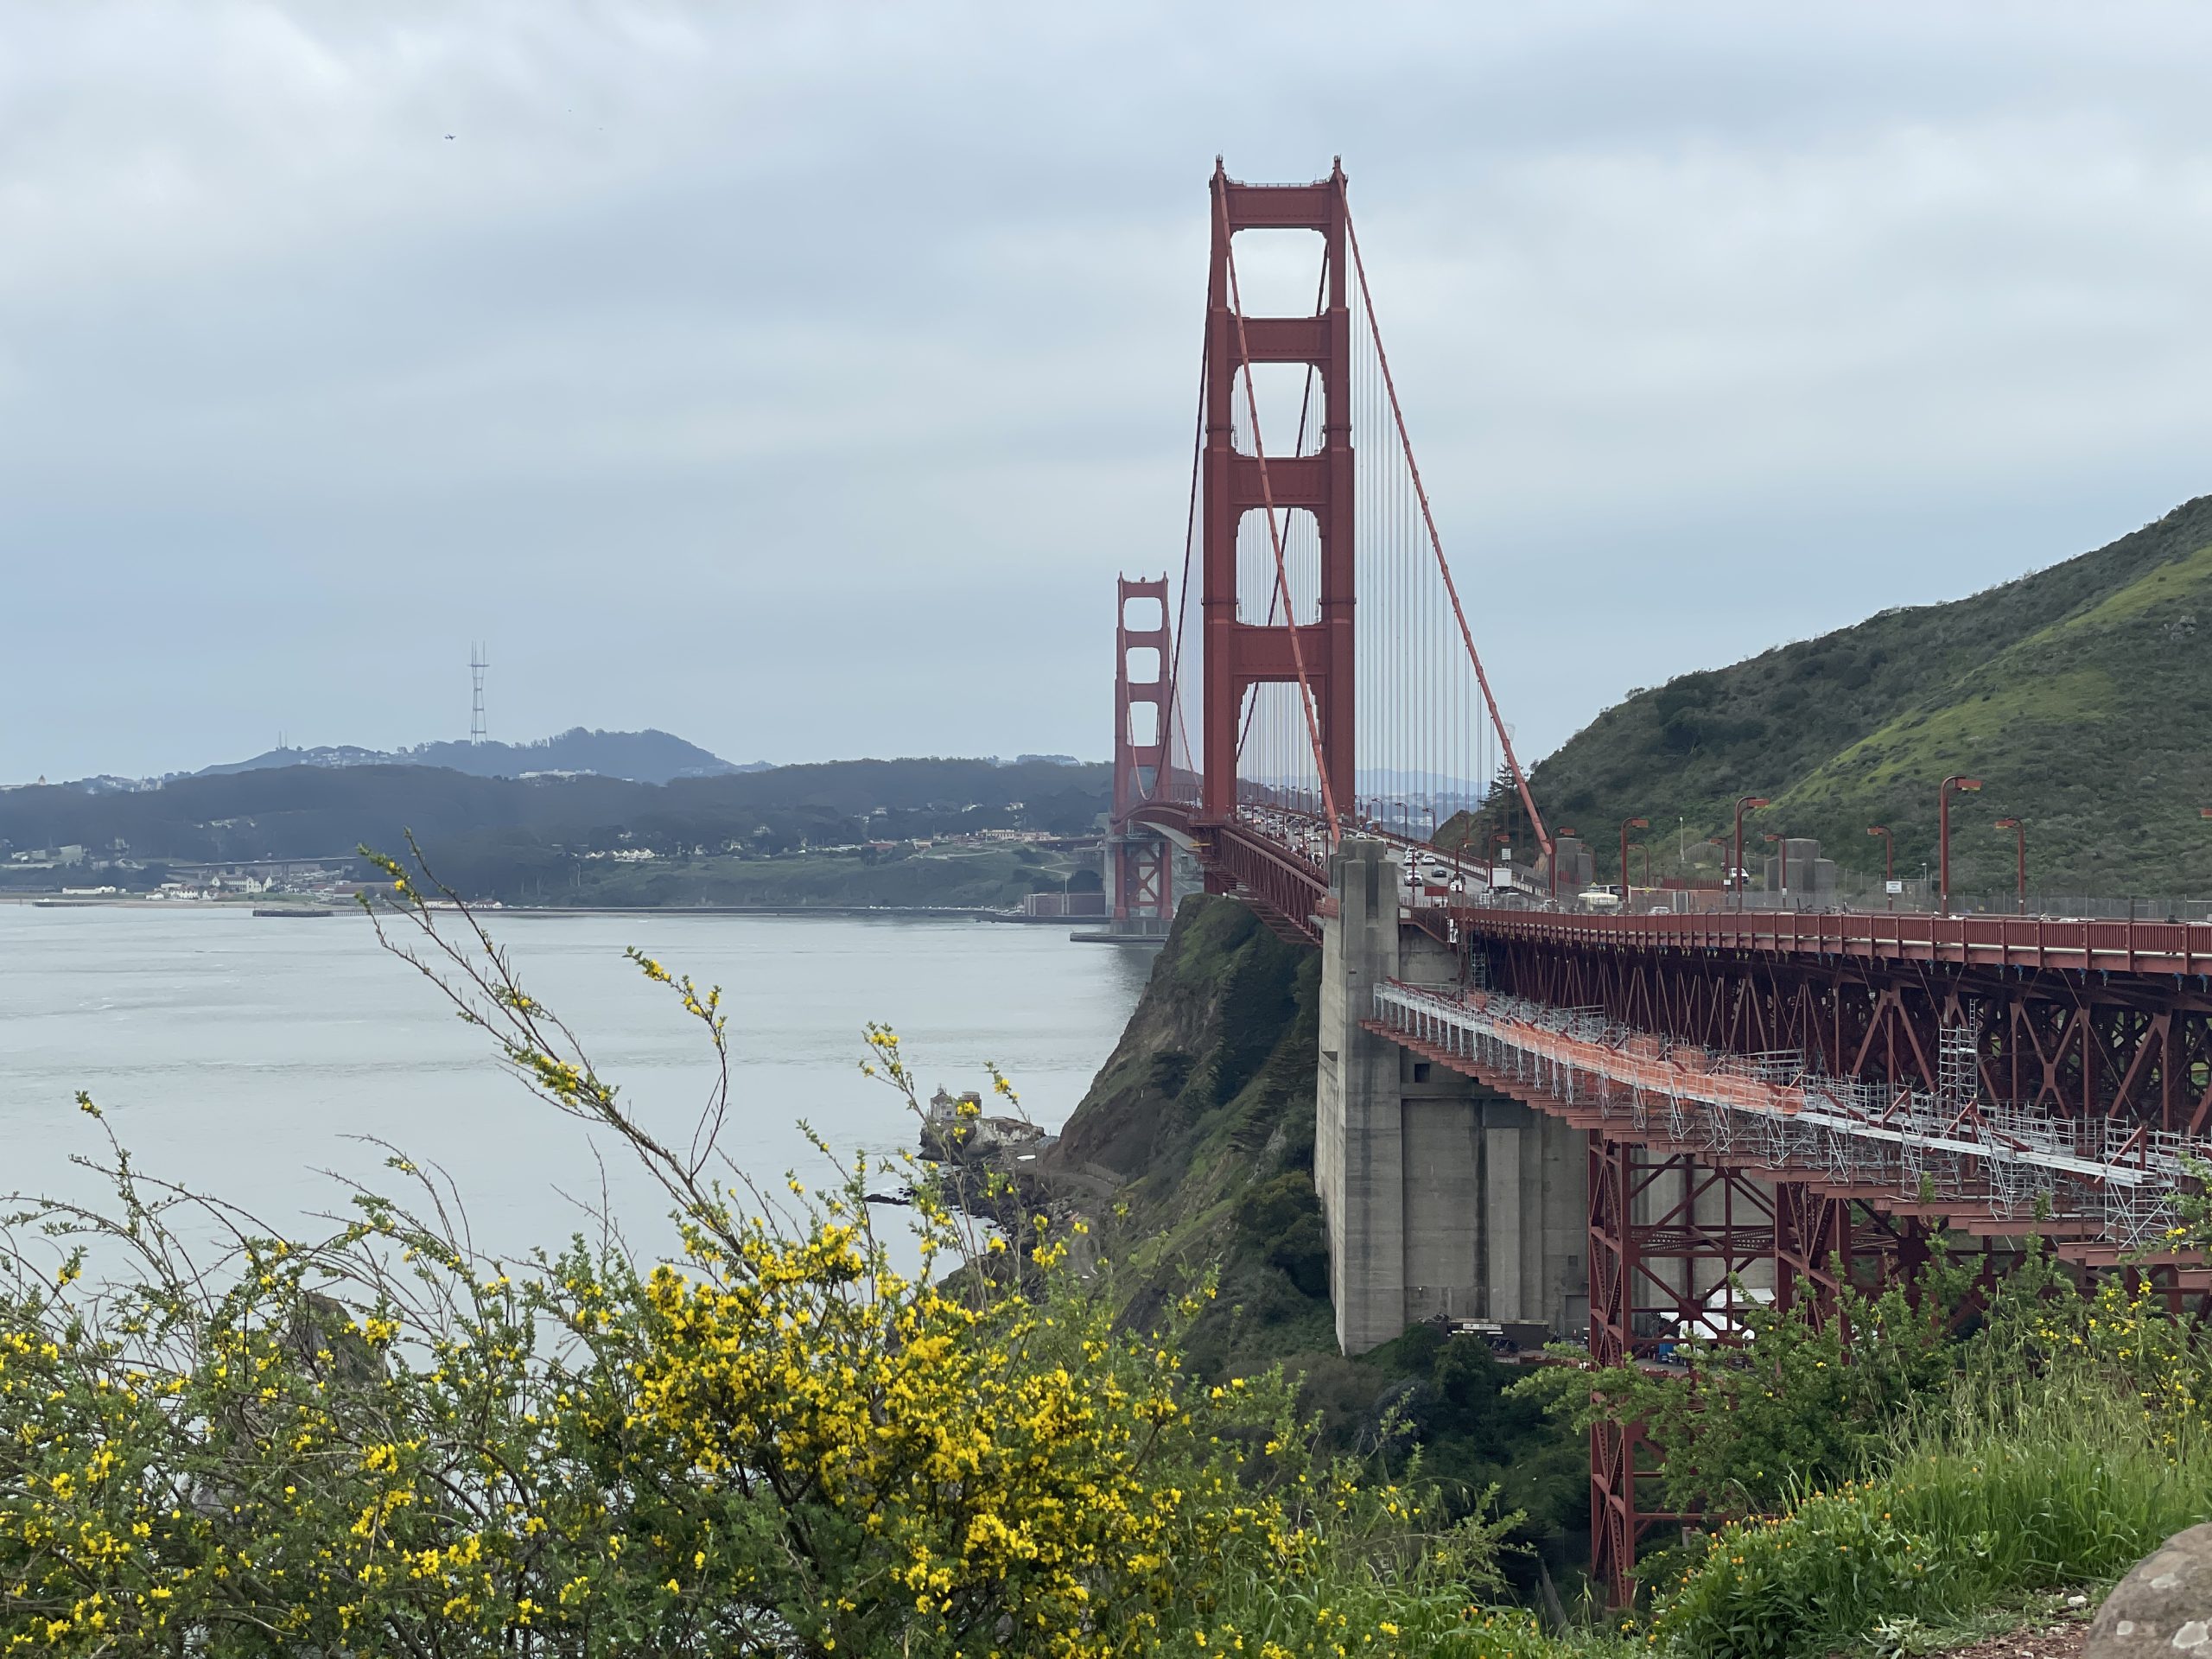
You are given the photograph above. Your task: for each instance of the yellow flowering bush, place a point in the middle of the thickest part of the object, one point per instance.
(778, 1443)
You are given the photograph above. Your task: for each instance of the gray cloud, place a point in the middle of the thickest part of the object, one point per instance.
(797, 378)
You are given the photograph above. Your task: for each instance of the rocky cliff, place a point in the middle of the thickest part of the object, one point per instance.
(1201, 1123)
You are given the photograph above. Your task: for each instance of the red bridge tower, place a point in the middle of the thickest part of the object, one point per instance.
(1140, 862)
(1239, 654)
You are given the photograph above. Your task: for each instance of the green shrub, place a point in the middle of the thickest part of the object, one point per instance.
(785, 1444)
(2066, 1485)
(1803, 1400)
(1281, 1224)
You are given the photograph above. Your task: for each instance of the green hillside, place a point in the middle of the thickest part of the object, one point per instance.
(2082, 695)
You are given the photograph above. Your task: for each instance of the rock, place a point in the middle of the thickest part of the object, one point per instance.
(2164, 1607)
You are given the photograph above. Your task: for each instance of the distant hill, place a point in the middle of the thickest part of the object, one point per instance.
(2081, 695)
(646, 757)
(511, 839)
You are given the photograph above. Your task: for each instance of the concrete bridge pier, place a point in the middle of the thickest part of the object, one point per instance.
(1439, 1196)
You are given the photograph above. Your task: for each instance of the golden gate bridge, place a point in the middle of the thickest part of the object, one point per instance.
(1787, 1098)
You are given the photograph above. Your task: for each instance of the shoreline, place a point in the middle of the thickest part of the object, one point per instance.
(972, 912)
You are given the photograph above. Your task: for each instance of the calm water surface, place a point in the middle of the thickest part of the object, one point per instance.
(245, 1056)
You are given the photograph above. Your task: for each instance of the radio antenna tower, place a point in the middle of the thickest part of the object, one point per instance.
(476, 667)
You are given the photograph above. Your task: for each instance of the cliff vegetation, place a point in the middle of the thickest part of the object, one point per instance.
(1202, 1121)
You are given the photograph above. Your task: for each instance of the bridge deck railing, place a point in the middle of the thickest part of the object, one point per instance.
(2074, 944)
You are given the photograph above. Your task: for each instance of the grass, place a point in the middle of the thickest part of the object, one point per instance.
(2003, 1492)
(2077, 694)
(2085, 728)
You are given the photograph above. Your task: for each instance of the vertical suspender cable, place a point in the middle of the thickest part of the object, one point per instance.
(1397, 415)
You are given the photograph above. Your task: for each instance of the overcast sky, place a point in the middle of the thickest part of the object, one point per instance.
(797, 378)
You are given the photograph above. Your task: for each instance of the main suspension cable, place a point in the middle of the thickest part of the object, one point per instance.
(1183, 597)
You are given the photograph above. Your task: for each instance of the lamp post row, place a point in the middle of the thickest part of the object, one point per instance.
(1956, 784)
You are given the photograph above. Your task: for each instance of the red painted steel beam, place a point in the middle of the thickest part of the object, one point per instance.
(2016, 942)
(1288, 339)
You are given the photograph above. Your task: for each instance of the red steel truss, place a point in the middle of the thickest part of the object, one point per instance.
(2098, 1020)
(1143, 877)
(1708, 1159)
(1669, 1239)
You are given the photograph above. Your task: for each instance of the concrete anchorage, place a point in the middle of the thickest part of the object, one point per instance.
(1440, 1197)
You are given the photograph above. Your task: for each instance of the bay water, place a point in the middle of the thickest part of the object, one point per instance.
(255, 1059)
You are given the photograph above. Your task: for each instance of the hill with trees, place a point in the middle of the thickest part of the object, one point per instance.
(514, 839)
(648, 757)
(2080, 694)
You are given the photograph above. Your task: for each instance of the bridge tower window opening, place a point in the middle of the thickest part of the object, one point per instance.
(1281, 271)
(1288, 398)
(1259, 592)
(1274, 759)
(1144, 613)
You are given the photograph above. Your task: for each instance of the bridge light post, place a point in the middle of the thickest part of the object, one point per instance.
(1750, 803)
(1889, 861)
(1782, 861)
(2020, 831)
(1628, 824)
(1964, 786)
(1719, 844)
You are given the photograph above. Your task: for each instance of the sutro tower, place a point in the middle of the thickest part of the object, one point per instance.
(476, 667)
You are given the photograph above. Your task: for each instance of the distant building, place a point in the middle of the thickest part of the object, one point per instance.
(957, 1128)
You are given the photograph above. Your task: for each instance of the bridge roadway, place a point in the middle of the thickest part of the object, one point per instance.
(2100, 1019)
(1280, 857)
